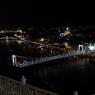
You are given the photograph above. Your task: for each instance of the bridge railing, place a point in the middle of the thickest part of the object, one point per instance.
(11, 87)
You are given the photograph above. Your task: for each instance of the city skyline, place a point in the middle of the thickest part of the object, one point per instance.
(50, 45)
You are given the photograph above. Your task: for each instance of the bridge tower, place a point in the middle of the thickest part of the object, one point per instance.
(80, 48)
(7, 39)
(14, 61)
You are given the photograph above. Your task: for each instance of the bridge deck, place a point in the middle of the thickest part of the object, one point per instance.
(26, 63)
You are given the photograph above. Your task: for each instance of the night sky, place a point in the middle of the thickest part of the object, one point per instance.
(46, 14)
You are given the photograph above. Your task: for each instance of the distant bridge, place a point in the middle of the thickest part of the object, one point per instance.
(20, 61)
(8, 38)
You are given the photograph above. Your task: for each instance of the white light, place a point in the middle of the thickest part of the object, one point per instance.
(13, 59)
(92, 47)
(61, 34)
(67, 28)
(42, 39)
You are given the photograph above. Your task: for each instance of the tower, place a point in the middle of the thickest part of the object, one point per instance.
(80, 48)
(14, 59)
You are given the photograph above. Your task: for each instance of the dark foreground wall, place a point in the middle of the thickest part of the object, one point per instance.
(12, 87)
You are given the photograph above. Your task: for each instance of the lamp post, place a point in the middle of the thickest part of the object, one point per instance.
(23, 80)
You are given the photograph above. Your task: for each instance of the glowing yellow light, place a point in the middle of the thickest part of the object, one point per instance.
(67, 32)
(42, 39)
(67, 28)
(66, 45)
(20, 31)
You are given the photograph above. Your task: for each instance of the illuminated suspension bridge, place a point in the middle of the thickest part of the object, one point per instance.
(20, 61)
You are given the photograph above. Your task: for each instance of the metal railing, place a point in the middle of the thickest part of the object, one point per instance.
(11, 87)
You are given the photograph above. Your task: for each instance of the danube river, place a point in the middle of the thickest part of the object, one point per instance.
(61, 76)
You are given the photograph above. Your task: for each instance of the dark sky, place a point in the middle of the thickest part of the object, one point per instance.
(43, 13)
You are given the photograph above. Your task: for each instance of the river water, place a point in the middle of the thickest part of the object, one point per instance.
(61, 76)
